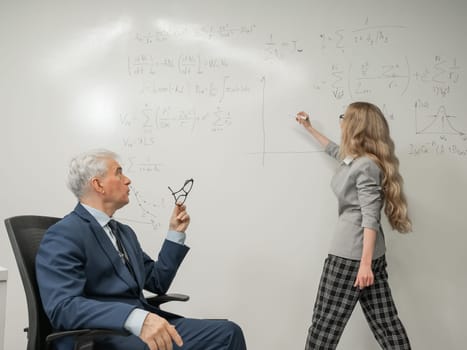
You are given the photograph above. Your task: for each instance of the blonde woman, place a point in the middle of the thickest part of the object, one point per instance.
(367, 180)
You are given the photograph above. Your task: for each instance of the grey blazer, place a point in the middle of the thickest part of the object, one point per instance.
(357, 186)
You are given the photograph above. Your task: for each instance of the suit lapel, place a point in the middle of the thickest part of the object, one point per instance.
(107, 247)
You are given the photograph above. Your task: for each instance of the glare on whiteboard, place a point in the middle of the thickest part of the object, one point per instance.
(88, 45)
(96, 108)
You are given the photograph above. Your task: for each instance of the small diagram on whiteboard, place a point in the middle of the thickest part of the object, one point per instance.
(440, 123)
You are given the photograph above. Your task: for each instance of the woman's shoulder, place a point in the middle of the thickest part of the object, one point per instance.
(366, 164)
(365, 160)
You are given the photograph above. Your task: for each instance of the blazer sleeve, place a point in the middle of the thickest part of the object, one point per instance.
(332, 149)
(369, 193)
(161, 273)
(60, 270)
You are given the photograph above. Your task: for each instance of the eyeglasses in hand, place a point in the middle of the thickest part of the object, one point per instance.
(181, 195)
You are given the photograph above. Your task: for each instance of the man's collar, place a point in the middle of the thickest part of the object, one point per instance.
(101, 217)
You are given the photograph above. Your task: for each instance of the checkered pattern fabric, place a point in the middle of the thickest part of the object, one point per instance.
(337, 298)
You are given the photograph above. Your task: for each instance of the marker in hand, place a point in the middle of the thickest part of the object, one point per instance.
(302, 116)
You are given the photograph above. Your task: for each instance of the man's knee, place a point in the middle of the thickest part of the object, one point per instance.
(234, 328)
(235, 335)
(210, 334)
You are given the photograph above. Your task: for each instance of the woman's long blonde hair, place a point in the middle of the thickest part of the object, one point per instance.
(365, 132)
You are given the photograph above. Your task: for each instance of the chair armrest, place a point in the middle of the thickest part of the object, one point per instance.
(160, 299)
(84, 338)
(83, 332)
(87, 335)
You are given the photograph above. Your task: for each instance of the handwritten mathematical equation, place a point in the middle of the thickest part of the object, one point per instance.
(280, 49)
(151, 64)
(171, 31)
(218, 90)
(159, 118)
(437, 148)
(442, 75)
(388, 75)
(357, 79)
(381, 72)
(367, 36)
(274, 48)
(368, 76)
(134, 164)
(380, 67)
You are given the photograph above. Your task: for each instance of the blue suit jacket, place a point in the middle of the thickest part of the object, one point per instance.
(84, 283)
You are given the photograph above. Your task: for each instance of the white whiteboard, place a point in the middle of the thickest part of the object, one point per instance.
(209, 90)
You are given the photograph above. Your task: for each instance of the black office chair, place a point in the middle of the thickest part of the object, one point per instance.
(25, 233)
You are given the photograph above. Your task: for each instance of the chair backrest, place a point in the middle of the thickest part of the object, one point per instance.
(25, 233)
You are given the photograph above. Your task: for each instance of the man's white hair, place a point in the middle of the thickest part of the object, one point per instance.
(86, 166)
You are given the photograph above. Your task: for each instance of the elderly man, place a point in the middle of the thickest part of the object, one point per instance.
(91, 270)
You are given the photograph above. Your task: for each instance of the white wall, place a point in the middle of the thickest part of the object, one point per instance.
(209, 90)
(3, 287)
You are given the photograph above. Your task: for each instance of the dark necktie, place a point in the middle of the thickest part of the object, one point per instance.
(121, 249)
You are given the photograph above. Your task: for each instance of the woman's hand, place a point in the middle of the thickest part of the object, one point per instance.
(303, 119)
(365, 277)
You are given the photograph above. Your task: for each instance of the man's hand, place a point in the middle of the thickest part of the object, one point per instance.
(180, 219)
(159, 334)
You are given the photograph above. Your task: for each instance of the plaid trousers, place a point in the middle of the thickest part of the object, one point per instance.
(337, 298)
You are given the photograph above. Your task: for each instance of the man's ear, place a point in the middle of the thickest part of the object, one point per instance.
(96, 185)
